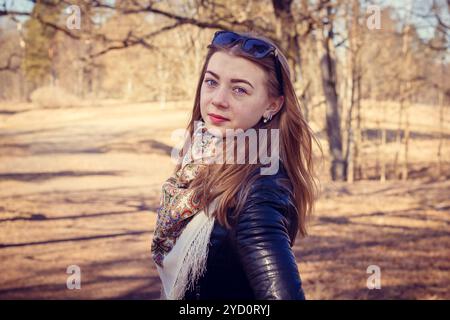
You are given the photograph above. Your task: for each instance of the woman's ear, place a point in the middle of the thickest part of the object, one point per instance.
(274, 106)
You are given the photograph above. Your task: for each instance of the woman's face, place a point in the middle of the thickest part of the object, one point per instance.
(235, 88)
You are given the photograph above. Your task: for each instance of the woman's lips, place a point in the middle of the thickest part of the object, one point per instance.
(215, 119)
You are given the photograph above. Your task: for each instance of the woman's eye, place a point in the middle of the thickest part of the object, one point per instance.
(240, 90)
(210, 82)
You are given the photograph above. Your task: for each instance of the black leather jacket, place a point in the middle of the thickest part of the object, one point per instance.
(254, 260)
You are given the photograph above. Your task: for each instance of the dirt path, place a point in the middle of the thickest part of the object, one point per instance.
(81, 186)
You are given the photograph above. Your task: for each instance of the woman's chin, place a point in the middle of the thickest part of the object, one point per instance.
(217, 129)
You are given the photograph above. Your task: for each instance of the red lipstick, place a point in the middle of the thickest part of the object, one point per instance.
(215, 118)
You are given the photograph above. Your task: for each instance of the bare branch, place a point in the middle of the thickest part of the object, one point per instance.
(132, 40)
(9, 66)
(187, 20)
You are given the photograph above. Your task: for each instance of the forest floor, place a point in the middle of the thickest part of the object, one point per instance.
(80, 186)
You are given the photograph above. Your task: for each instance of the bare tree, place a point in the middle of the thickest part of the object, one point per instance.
(329, 84)
(354, 79)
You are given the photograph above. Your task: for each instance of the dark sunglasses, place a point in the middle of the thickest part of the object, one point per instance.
(253, 47)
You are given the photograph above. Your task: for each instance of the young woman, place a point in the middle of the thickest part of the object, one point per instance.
(225, 229)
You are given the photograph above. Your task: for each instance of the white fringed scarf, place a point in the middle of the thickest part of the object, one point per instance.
(181, 239)
(186, 262)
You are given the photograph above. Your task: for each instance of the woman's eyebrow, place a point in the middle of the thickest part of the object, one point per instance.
(232, 80)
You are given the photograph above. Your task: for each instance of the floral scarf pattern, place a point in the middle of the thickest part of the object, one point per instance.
(178, 203)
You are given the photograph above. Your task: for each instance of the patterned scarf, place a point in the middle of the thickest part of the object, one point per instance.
(178, 203)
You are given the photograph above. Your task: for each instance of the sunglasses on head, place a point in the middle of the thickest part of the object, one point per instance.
(256, 48)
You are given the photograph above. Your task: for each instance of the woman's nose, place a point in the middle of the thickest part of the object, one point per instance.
(220, 98)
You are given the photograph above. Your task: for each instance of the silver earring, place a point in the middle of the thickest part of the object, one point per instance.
(268, 118)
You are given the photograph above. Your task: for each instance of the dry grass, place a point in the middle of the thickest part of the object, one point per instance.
(54, 97)
(81, 185)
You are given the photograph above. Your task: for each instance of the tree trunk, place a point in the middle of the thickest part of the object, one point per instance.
(333, 122)
(383, 147)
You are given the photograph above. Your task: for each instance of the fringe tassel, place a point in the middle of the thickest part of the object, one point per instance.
(194, 262)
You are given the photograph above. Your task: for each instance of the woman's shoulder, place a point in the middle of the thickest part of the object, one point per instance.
(271, 198)
(274, 189)
(276, 183)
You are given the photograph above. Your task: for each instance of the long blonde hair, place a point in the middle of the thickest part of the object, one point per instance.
(225, 181)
